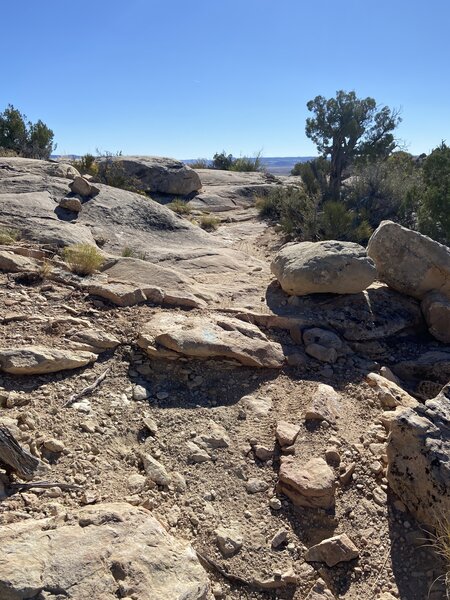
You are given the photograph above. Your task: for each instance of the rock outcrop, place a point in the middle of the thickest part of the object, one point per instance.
(419, 458)
(172, 336)
(157, 174)
(323, 267)
(104, 551)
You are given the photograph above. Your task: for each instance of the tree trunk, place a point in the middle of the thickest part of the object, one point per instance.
(14, 457)
(337, 167)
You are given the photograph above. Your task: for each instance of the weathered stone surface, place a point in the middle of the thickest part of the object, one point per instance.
(323, 267)
(311, 484)
(332, 551)
(158, 174)
(209, 336)
(436, 310)
(121, 294)
(319, 591)
(418, 454)
(286, 433)
(97, 338)
(229, 541)
(158, 284)
(71, 203)
(103, 551)
(433, 366)
(80, 185)
(14, 263)
(408, 261)
(325, 404)
(390, 394)
(33, 360)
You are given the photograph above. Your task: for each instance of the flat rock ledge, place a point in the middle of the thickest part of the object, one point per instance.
(106, 551)
(36, 360)
(174, 335)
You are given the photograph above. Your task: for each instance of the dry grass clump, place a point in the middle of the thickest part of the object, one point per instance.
(179, 206)
(9, 235)
(83, 259)
(440, 543)
(209, 223)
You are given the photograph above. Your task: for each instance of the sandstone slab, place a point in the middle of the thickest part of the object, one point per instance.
(201, 336)
(332, 551)
(35, 360)
(103, 551)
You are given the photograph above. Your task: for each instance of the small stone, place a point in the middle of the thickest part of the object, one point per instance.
(280, 538)
(275, 503)
(140, 393)
(325, 404)
(255, 486)
(229, 541)
(54, 445)
(71, 203)
(332, 457)
(286, 433)
(155, 470)
(262, 452)
(347, 475)
(332, 551)
(151, 425)
(197, 454)
(162, 395)
(328, 355)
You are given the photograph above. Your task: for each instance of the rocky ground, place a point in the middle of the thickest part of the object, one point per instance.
(207, 444)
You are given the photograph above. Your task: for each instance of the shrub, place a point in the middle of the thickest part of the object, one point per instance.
(86, 165)
(314, 174)
(337, 222)
(200, 163)
(209, 222)
(222, 161)
(83, 259)
(246, 164)
(293, 209)
(128, 252)
(434, 209)
(179, 206)
(111, 171)
(9, 235)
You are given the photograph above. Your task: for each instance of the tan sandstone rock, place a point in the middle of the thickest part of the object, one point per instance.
(102, 550)
(323, 267)
(312, 484)
(206, 336)
(33, 360)
(325, 404)
(332, 551)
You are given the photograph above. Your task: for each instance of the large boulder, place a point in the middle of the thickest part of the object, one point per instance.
(436, 310)
(158, 174)
(104, 551)
(323, 267)
(419, 457)
(410, 262)
(206, 336)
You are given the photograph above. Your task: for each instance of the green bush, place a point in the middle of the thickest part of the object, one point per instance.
(86, 165)
(83, 259)
(314, 174)
(293, 209)
(434, 209)
(226, 162)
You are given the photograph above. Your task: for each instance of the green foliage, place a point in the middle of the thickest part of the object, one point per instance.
(346, 128)
(86, 165)
(8, 235)
(209, 222)
(294, 209)
(31, 140)
(222, 161)
(83, 259)
(226, 162)
(128, 252)
(434, 210)
(179, 206)
(337, 222)
(314, 174)
(386, 189)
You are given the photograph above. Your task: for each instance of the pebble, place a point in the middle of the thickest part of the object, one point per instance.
(140, 393)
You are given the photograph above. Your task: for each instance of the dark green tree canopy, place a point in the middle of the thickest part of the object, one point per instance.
(31, 140)
(346, 128)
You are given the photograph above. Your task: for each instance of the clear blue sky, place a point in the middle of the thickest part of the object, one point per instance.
(188, 78)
